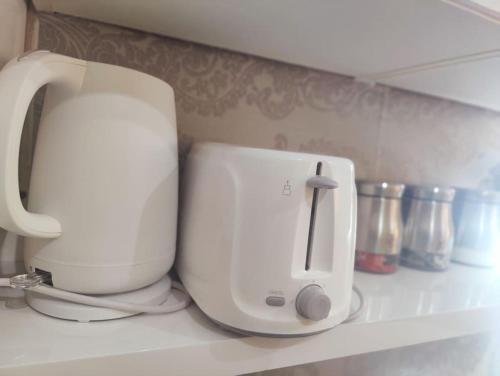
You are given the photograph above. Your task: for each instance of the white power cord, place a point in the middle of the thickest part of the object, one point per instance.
(34, 283)
(355, 314)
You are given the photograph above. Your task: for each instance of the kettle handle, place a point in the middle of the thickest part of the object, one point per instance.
(19, 81)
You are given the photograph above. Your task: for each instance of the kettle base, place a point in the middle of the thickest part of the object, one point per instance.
(157, 293)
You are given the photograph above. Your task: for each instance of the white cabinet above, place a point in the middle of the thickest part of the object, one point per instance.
(360, 38)
(353, 37)
(473, 81)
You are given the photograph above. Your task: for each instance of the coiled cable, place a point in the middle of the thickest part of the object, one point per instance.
(34, 282)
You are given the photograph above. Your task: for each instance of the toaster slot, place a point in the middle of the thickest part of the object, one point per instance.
(312, 221)
(321, 207)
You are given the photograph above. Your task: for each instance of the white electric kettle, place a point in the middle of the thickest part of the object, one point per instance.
(103, 197)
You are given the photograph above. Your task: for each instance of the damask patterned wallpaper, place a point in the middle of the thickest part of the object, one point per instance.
(235, 98)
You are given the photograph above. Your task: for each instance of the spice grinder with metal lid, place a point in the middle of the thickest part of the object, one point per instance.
(429, 231)
(380, 226)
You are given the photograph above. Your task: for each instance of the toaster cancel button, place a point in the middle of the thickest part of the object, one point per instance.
(275, 301)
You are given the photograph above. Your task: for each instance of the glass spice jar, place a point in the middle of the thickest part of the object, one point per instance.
(429, 232)
(379, 227)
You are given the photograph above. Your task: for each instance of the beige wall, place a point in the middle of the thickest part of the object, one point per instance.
(224, 96)
(12, 29)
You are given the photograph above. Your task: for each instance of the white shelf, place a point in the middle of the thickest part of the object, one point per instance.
(402, 309)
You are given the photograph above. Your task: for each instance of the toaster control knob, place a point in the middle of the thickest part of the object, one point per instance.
(312, 303)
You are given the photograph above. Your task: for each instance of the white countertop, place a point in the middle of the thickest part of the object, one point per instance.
(405, 308)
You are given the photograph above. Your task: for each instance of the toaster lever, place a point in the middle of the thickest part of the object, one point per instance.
(322, 182)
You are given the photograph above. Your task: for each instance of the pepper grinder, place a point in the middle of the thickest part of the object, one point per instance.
(380, 226)
(429, 232)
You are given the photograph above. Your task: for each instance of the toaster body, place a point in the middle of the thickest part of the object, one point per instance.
(267, 238)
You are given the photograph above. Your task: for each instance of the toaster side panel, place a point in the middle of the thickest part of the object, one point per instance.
(208, 205)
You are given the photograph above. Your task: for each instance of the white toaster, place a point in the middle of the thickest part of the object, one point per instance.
(267, 238)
